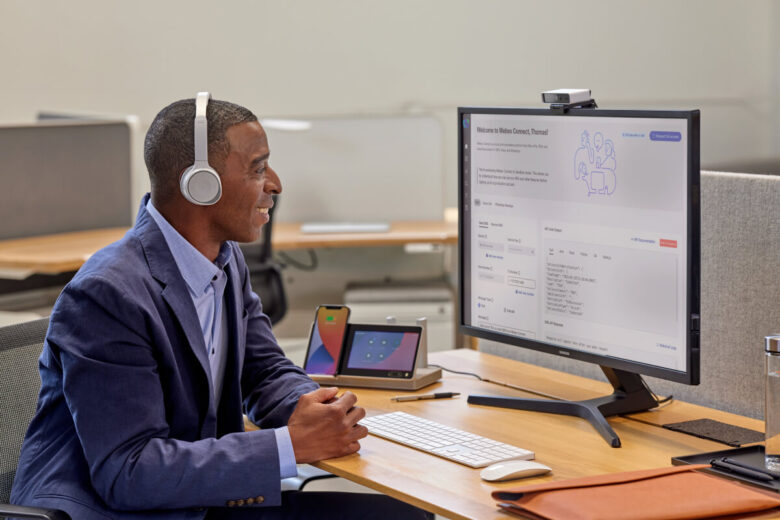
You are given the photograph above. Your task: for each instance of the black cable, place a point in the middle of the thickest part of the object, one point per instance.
(500, 383)
(315, 477)
(287, 260)
(658, 401)
(455, 371)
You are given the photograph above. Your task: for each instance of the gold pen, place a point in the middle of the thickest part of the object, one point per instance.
(438, 395)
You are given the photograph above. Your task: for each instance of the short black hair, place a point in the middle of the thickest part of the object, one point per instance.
(169, 146)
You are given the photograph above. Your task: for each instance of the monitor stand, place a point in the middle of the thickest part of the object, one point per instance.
(631, 394)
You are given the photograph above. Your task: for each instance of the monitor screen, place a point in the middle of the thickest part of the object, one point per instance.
(580, 234)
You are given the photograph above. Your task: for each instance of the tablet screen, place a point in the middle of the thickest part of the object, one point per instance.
(388, 351)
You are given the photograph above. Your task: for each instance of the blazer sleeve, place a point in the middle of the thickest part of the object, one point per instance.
(111, 382)
(270, 383)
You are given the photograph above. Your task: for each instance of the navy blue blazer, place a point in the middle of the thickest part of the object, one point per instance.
(127, 425)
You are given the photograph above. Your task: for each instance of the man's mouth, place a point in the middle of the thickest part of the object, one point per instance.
(263, 210)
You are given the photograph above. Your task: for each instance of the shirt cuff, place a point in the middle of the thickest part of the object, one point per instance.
(287, 466)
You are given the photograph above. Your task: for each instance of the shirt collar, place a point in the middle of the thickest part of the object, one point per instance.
(197, 270)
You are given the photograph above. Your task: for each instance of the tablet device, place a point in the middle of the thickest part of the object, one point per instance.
(381, 351)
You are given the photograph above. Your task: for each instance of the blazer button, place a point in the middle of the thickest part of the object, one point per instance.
(231, 503)
(240, 502)
(250, 501)
(260, 499)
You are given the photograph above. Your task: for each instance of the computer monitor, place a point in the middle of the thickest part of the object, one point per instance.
(579, 236)
(358, 170)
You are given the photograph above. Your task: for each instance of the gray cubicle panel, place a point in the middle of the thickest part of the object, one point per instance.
(740, 291)
(359, 169)
(740, 288)
(64, 176)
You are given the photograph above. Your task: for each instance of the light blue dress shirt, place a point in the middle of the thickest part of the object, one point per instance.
(206, 283)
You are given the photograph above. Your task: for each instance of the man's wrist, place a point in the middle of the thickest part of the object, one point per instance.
(287, 466)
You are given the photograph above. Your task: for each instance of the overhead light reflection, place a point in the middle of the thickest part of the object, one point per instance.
(289, 125)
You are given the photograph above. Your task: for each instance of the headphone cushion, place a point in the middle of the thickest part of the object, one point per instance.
(202, 186)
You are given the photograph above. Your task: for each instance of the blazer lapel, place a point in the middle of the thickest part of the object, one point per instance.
(237, 317)
(230, 413)
(184, 311)
(163, 267)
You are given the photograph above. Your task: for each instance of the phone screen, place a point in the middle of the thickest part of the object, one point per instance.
(327, 337)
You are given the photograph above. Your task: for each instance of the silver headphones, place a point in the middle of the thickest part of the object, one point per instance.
(200, 182)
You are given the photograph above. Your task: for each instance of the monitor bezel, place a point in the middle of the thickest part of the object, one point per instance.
(691, 375)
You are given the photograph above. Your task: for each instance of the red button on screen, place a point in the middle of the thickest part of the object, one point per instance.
(668, 243)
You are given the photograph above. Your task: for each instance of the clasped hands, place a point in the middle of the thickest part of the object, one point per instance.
(324, 426)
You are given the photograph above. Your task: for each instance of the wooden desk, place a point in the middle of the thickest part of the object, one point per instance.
(569, 445)
(288, 236)
(52, 254)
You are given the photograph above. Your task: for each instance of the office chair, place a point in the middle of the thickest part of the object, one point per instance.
(20, 346)
(266, 274)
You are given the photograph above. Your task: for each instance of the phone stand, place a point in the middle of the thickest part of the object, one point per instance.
(422, 377)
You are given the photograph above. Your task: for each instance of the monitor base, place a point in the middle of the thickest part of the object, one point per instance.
(630, 395)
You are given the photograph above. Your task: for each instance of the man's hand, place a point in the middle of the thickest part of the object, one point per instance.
(323, 426)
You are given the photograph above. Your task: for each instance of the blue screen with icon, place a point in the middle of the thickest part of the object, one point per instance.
(380, 350)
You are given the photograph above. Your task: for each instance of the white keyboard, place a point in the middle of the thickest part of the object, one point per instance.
(444, 441)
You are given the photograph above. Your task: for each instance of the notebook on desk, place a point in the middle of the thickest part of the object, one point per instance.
(677, 492)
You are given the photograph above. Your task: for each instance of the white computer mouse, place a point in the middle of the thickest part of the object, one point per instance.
(512, 469)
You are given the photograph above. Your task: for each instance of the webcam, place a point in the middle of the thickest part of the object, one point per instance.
(566, 96)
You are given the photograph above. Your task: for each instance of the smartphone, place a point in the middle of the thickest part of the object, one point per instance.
(381, 351)
(323, 354)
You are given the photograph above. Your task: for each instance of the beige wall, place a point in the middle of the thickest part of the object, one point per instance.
(344, 57)
(314, 57)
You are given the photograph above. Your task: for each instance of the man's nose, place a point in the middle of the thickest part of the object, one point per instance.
(272, 184)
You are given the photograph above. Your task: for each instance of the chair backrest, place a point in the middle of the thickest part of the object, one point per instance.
(268, 283)
(20, 347)
(266, 274)
(266, 251)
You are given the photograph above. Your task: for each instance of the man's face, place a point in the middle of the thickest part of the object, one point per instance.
(247, 185)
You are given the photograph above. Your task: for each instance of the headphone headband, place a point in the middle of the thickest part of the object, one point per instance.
(201, 128)
(200, 183)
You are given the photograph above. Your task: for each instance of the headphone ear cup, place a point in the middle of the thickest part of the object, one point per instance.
(201, 185)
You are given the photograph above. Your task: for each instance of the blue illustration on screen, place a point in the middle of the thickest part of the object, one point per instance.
(595, 164)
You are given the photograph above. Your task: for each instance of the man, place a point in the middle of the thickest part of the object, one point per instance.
(156, 344)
